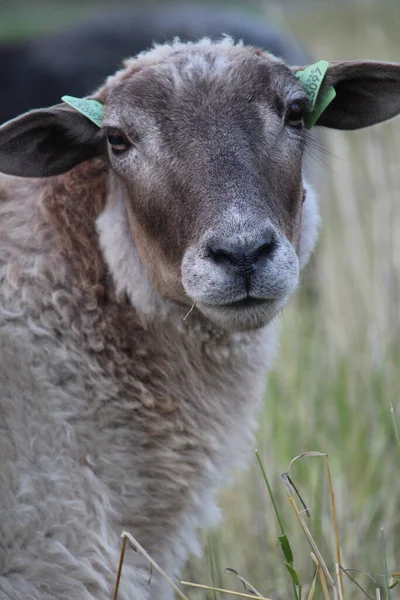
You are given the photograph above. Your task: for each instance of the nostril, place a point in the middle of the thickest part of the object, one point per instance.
(266, 249)
(221, 255)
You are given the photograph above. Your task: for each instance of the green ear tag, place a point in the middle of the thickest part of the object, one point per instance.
(92, 109)
(311, 79)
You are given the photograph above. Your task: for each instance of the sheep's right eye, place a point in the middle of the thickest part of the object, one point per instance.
(294, 115)
(118, 141)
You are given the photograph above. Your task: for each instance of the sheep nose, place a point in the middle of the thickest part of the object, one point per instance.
(243, 257)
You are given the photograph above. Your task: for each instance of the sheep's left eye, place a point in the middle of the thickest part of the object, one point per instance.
(294, 115)
(118, 141)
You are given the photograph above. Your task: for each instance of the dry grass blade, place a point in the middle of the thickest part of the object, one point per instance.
(378, 594)
(323, 583)
(222, 591)
(340, 579)
(384, 558)
(136, 546)
(246, 584)
(189, 311)
(311, 541)
(369, 575)
(121, 562)
(312, 588)
(394, 580)
(304, 454)
(356, 582)
(334, 512)
(321, 577)
(393, 583)
(395, 426)
(335, 524)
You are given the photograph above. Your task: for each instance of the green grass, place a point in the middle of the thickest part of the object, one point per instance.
(338, 373)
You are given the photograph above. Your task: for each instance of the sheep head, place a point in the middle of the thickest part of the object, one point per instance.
(206, 142)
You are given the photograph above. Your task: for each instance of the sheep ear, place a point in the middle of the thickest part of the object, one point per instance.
(367, 92)
(48, 142)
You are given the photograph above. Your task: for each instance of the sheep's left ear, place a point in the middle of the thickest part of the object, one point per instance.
(367, 92)
(48, 142)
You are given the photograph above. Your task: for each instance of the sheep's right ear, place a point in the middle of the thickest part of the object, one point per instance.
(48, 142)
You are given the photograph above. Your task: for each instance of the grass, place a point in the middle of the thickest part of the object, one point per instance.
(335, 386)
(332, 584)
(337, 375)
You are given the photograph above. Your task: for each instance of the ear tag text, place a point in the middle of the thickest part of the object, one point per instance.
(92, 109)
(311, 79)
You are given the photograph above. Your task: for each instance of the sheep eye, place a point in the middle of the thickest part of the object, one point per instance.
(294, 115)
(118, 141)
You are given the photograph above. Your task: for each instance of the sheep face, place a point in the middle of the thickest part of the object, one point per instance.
(209, 149)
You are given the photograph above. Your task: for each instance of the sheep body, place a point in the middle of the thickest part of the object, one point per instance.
(118, 424)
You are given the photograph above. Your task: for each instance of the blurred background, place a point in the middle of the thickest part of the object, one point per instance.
(338, 369)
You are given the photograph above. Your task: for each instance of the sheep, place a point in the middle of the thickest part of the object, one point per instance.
(142, 267)
(36, 73)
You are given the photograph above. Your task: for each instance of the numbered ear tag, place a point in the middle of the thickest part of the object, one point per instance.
(92, 109)
(311, 79)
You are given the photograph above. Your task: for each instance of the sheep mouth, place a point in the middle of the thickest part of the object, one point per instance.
(241, 315)
(248, 302)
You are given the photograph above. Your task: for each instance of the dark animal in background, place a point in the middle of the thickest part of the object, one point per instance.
(76, 60)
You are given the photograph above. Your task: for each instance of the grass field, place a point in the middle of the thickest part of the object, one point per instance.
(338, 369)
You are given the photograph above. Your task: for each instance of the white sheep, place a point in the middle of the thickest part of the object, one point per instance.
(119, 410)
